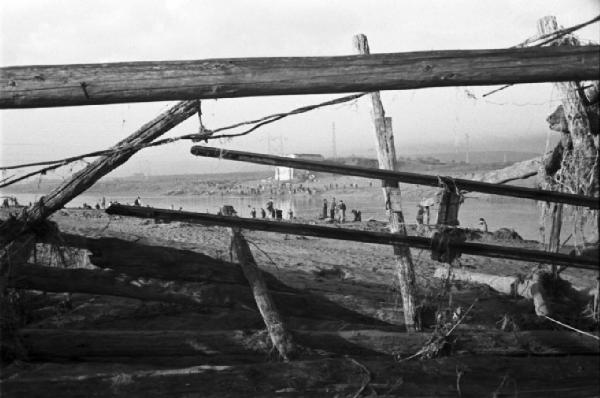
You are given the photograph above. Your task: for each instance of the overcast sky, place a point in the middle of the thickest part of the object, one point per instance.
(426, 121)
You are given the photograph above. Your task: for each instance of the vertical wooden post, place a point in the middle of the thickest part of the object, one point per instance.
(584, 152)
(281, 339)
(386, 154)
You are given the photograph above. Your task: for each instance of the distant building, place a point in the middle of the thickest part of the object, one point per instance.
(288, 173)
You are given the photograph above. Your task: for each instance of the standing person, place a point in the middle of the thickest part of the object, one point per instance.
(324, 208)
(290, 214)
(137, 201)
(420, 214)
(103, 202)
(332, 209)
(270, 208)
(263, 213)
(342, 207)
(253, 213)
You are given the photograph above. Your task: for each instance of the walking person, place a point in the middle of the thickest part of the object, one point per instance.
(253, 213)
(324, 208)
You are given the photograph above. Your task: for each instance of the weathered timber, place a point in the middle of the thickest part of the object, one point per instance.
(87, 177)
(49, 344)
(105, 282)
(64, 85)
(404, 177)
(79, 280)
(276, 328)
(353, 235)
(512, 285)
(473, 376)
(573, 98)
(386, 156)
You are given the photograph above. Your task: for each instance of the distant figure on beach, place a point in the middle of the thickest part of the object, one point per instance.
(483, 224)
(357, 215)
(270, 208)
(332, 209)
(324, 208)
(253, 213)
(137, 201)
(420, 214)
(342, 207)
(263, 213)
(103, 202)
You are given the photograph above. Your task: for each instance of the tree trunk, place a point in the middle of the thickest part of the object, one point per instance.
(386, 155)
(65, 85)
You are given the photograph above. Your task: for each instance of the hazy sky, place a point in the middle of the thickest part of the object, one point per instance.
(427, 120)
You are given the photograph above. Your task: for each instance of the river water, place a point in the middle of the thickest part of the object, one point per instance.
(520, 215)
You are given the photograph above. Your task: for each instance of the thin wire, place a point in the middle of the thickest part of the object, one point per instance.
(572, 328)
(204, 134)
(550, 37)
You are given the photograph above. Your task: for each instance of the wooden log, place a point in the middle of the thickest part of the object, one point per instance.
(87, 177)
(55, 344)
(65, 85)
(291, 302)
(385, 238)
(78, 280)
(473, 376)
(512, 285)
(405, 177)
(386, 156)
(280, 337)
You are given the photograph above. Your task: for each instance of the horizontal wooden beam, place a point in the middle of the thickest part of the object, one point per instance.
(65, 343)
(399, 176)
(464, 376)
(89, 84)
(385, 238)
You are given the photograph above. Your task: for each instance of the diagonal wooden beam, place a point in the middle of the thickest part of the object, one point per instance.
(406, 177)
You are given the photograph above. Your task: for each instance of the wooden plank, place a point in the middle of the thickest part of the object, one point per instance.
(49, 344)
(386, 156)
(65, 85)
(472, 376)
(513, 253)
(400, 176)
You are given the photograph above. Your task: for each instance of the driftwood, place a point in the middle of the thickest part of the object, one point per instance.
(386, 156)
(491, 187)
(513, 285)
(353, 235)
(82, 180)
(62, 85)
(53, 344)
(573, 376)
